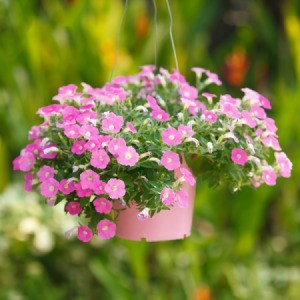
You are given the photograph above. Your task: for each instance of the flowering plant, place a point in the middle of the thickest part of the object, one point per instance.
(124, 141)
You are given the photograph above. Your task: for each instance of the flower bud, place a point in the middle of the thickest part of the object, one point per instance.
(144, 214)
(251, 148)
(180, 116)
(155, 159)
(51, 149)
(141, 108)
(210, 147)
(190, 139)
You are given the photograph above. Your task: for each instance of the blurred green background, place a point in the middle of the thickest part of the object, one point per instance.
(244, 245)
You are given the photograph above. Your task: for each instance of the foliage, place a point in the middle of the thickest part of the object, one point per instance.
(237, 238)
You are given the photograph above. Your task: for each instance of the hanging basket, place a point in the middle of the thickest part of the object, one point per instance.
(172, 224)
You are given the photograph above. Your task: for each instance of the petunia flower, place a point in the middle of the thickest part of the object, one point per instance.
(84, 233)
(49, 188)
(73, 208)
(171, 136)
(102, 205)
(239, 156)
(170, 160)
(115, 188)
(88, 179)
(128, 156)
(284, 164)
(106, 229)
(167, 196)
(45, 172)
(100, 159)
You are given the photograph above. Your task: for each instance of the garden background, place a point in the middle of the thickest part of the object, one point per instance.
(244, 245)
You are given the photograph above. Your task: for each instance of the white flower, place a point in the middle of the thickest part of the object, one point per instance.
(141, 108)
(210, 147)
(50, 150)
(144, 214)
(180, 116)
(155, 159)
(191, 139)
(44, 142)
(251, 148)
(191, 123)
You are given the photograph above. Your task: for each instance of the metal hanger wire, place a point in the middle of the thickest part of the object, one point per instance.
(155, 35)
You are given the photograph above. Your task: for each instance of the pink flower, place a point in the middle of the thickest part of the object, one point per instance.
(92, 144)
(198, 71)
(131, 127)
(66, 186)
(84, 233)
(72, 131)
(213, 78)
(81, 192)
(153, 103)
(73, 208)
(182, 198)
(112, 123)
(104, 140)
(284, 164)
(86, 117)
(230, 111)
(116, 146)
(128, 157)
(28, 182)
(160, 115)
(115, 188)
(45, 172)
(24, 162)
(269, 176)
(239, 156)
(78, 147)
(49, 188)
(188, 92)
(258, 112)
(188, 176)
(176, 77)
(66, 92)
(48, 151)
(102, 205)
(270, 125)
(106, 229)
(228, 99)
(197, 108)
(170, 160)
(264, 102)
(47, 111)
(88, 179)
(248, 119)
(208, 96)
(35, 132)
(271, 141)
(100, 159)
(69, 114)
(99, 187)
(167, 196)
(186, 130)
(210, 116)
(171, 136)
(88, 131)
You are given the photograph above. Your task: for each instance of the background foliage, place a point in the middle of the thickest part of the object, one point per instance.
(243, 246)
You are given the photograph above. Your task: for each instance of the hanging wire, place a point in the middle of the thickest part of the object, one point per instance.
(171, 34)
(155, 31)
(118, 40)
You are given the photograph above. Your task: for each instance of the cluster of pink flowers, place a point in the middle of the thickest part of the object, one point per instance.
(103, 147)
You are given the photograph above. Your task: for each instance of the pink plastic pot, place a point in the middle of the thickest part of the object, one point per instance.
(173, 224)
